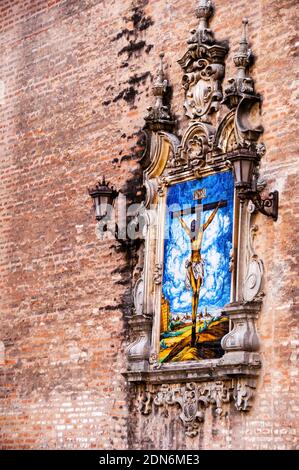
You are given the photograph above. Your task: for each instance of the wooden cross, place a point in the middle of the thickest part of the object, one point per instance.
(198, 208)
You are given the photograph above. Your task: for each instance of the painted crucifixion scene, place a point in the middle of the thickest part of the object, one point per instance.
(196, 270)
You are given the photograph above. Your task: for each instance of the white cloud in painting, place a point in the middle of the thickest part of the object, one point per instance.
(226, 224)
(182, 301)
(213, 258)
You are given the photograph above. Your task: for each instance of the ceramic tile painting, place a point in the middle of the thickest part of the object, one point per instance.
(196, 277)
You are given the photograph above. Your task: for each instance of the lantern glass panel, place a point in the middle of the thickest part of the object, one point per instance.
(237, 171)
(100, 203)
(104, 204)
(246, 171)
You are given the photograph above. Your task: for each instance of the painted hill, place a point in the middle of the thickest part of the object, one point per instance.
(177, 348)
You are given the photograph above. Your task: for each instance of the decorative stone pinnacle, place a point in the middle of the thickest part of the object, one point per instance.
(161, 83)
(242, 84)
(203, 34)
(203, 64)
(242, 58)
(159, 115)
(204, 11)
(245, 25)
(161, 71)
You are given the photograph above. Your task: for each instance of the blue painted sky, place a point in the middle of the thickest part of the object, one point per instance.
(216, 245)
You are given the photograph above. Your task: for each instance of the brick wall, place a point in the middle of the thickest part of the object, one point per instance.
(75, 83)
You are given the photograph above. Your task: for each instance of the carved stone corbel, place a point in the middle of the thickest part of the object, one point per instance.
(246, 132)
(242, 341)
(138, 352)
(217, 394)
(145, 403)
(243, 393)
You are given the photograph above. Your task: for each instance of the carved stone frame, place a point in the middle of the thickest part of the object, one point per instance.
(241, 343)
(202, 150)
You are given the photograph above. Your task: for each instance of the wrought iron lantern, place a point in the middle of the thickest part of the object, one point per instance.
(103, 197)
(244, 162)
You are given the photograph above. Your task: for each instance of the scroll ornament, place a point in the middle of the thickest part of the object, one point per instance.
(203, 66)
(192, 399)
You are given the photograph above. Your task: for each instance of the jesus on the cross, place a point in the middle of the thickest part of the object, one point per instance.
(195, 266)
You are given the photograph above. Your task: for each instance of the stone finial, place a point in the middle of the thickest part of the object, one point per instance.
(159, 116)
(204, 12)
(242, 58)
(203, 64)
(160, 84)
(242, 84)
(203, 34)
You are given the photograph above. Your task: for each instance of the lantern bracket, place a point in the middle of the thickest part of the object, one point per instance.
(267, 206)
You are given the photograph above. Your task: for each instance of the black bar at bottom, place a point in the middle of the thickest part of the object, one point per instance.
(143, 458)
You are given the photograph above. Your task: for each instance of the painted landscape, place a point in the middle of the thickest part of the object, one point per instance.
(175, 344)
